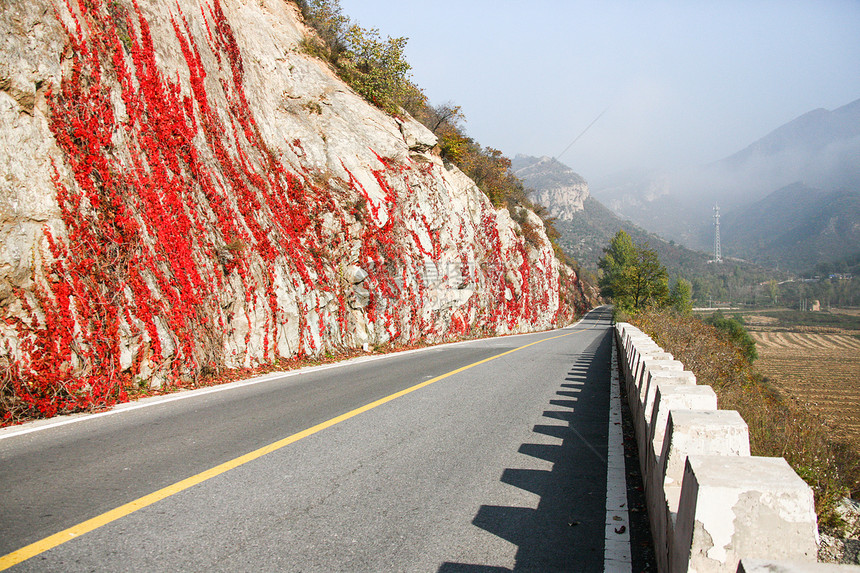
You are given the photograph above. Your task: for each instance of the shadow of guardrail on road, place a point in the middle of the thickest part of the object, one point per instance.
(565, 532)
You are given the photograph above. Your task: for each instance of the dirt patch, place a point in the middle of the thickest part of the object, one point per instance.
(758, 320)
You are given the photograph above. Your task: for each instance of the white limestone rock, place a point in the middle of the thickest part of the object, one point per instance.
(358, 166)
(735, 507)
(553, 185)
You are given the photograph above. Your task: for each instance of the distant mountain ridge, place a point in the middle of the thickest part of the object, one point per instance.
(819, 149)
(555, 185)
(586, 231)
(815, 129)
(816, 153)
(795, 228)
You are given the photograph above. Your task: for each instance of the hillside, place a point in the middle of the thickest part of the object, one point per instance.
(589, 232)
(585, 232)
(587, 225)
(820, 149)
(733, 279)
(184, 191)
(553, 185)
(795, 228)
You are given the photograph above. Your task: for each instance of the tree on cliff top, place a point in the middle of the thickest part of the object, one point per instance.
(377, 69)
(374, 67)
(326, 17)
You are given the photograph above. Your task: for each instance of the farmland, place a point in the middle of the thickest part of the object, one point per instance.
(814, 359)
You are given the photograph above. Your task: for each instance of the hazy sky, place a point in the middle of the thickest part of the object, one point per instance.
(685, 83)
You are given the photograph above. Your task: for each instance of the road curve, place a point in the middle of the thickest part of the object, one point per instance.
(496, 467)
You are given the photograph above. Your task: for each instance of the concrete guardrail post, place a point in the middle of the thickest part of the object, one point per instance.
(742, 506)
(670, 395)
(661, 379)
(718, 432)
(653, 368)
(709, 502)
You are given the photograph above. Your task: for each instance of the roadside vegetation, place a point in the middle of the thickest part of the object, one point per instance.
(779, 425)
(733, 327)
(376, 68)
(720, 351)
(632, 276)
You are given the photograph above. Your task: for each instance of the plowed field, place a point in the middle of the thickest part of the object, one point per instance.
(821, 368)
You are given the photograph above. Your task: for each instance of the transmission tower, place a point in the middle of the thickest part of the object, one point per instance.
(718, 255)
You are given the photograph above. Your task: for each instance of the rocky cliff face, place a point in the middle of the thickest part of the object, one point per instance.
(182, 190)
(553, 184)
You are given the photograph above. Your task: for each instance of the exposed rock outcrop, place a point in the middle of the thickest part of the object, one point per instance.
(183, 190)
(553, 185)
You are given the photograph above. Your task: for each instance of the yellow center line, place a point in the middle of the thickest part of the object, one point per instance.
(75, 531)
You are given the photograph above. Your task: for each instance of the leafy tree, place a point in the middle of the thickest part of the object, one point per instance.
(681, 297)
(455, 146)
(617, 265)
(326, 17)
(701, 288)
(651, 281)
(633, 276)
(412, 99)
(773, 291)
(446, 115)
(491, 172)
(446, 121)
(375, 67)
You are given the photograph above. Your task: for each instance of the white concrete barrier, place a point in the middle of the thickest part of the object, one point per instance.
(734, 507)
(710, 503)
(670, 396)
(652, 359)
(689, 432)
(639, 352)
(661, 372)
(666, 392)
(772, 566)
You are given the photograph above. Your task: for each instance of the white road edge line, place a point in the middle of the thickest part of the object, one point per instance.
(39, 425)
(617, 555)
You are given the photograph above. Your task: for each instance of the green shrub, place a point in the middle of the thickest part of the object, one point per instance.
(779, 426)
(377, 69)
(734, 327)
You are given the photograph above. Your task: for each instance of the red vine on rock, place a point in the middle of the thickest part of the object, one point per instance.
(183, 230)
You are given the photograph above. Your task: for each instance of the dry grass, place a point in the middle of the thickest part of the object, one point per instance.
(848, 311)
(779, 424)
(759, 320)
(820, 369)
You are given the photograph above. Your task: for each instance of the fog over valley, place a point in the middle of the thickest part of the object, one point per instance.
(685, 95)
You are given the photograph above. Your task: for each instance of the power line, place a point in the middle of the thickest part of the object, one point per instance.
(581, 134)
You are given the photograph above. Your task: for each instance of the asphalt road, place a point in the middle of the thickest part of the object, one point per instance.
(499, 467)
